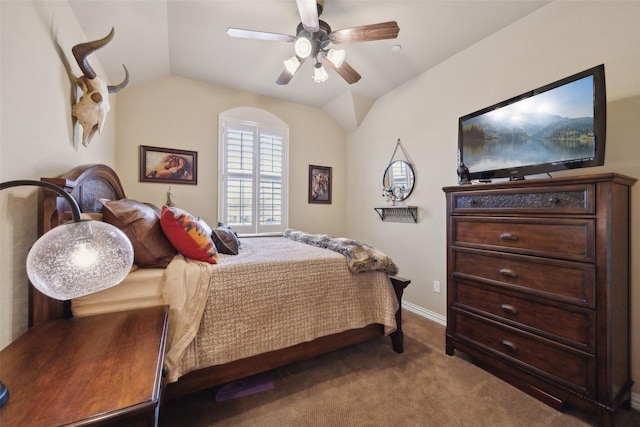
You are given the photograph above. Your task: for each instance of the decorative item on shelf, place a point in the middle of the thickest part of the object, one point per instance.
(76, 258)
(394, 193)
(389, 195)
(464, 178)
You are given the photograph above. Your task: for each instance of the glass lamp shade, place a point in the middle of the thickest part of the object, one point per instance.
(79, 258)
(319, 73)
(292, 64)
(336, 56)
(303, 47)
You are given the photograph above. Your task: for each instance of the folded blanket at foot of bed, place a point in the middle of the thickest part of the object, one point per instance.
(360, 256)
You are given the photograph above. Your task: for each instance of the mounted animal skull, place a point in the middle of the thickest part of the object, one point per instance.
(92, 108)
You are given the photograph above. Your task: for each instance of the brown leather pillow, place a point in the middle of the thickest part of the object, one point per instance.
(141, 223)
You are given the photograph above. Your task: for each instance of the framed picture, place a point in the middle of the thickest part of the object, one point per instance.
(320, 184)
(168, 165)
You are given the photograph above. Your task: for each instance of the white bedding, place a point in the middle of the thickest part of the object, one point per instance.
(274, 294)
(141, 288)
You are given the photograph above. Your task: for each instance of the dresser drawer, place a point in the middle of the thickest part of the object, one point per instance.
(566, 281)
(569, 199)
(573, 368)
(570, 239)
(571, 325)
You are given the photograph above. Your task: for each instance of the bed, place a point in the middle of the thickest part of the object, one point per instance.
(246, 314)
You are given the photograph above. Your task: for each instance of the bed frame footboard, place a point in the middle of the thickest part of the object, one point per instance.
(397, 337)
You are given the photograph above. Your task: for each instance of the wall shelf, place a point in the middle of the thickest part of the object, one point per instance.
(398, 213)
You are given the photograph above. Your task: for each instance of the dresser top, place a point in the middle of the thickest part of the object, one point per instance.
(545, 182)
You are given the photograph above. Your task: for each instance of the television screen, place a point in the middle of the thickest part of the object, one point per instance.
(559, 126)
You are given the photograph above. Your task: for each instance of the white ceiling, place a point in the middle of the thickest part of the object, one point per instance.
(156, 38)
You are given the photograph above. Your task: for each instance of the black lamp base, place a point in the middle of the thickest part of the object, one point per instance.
(4, 394)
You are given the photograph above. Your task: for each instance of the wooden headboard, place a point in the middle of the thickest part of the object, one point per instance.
(86, 184)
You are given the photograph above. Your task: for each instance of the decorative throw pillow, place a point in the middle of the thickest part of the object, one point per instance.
(141, 223)
(187, 235)
(204, 225)
(226, 240)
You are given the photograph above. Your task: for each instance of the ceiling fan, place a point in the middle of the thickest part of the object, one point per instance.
(313, 39)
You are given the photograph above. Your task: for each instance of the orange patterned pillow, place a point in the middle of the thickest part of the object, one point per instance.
(187, 235)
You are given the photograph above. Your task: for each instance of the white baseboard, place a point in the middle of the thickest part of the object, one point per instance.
(431, 315)
(438, 318)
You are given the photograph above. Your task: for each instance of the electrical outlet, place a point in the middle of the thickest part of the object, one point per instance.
(436, 286)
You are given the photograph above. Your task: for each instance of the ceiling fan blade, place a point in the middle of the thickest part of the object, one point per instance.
(381, 31)
(309, 14)
(285, 77)
(259, 35)
(350, 75)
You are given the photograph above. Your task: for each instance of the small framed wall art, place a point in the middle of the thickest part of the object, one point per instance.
(320, 182)
(168, 165)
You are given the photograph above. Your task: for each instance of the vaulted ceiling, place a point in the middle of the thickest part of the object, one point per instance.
(187, 38)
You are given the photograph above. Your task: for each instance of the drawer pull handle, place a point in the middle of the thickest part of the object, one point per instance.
(507, 272)
(508, 308)
(509, 345)
(508, 236)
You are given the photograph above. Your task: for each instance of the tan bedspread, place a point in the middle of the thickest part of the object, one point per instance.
(274, 294)
(277, 293)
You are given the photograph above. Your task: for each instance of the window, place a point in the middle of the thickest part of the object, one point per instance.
(253, 175)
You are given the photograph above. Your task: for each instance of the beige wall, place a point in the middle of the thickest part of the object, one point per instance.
(554, 42)
(37, 139)
(180, 113)
(36, 134)
(558, 40)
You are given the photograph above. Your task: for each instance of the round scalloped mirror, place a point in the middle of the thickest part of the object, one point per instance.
(400, 178)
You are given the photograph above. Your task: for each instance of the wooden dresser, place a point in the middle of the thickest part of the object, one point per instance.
(538, 286)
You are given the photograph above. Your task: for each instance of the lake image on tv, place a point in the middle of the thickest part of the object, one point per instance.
(553, 126)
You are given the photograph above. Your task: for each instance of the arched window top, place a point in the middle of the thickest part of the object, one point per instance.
(255, 115)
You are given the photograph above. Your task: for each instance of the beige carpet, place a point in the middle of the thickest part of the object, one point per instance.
(370, 385)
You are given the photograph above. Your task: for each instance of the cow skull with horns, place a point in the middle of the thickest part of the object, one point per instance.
(92, 108)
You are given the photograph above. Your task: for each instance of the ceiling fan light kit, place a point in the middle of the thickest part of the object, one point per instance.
(303, 46)
(313, 37)
(319, 73)
(292, 64)
(336, 56)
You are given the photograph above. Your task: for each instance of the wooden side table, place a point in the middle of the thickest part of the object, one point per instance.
(96, 370)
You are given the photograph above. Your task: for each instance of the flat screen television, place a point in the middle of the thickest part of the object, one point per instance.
(556, 127)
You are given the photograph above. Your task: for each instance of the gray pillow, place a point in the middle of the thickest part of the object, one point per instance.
(226, 240)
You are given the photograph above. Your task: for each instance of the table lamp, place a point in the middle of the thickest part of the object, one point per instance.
(76, 258)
